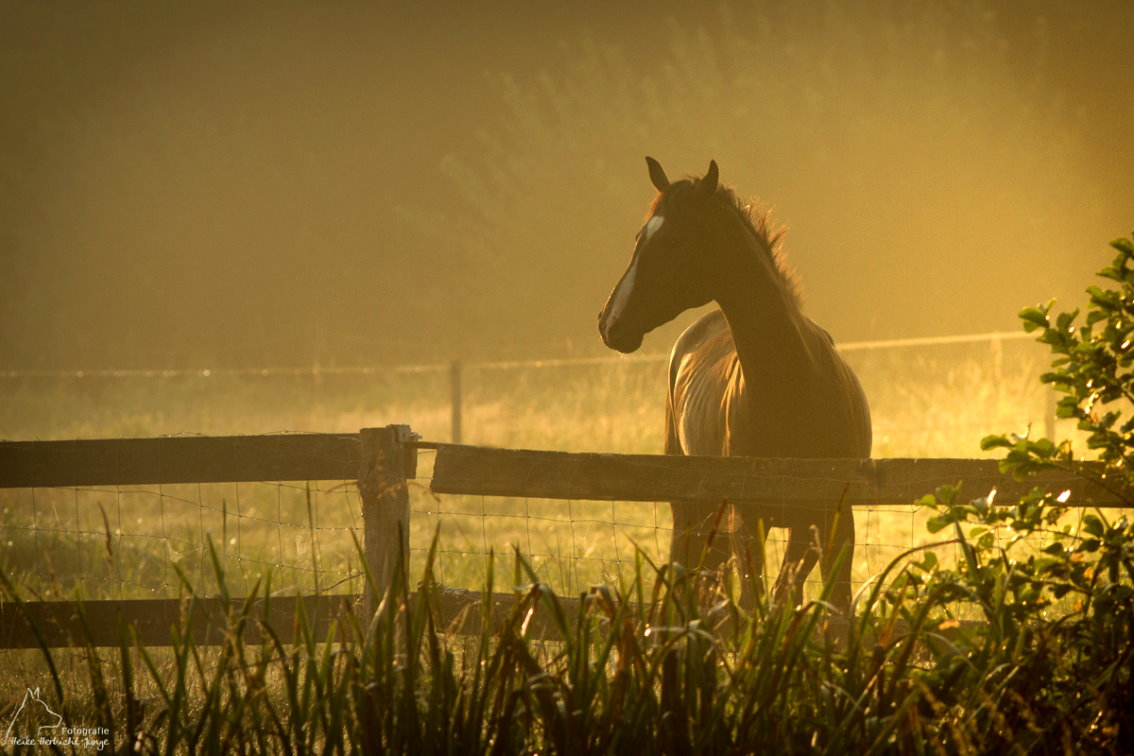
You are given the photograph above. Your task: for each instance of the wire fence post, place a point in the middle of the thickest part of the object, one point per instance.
(1051, 413)
(455, 370)
(387, 464)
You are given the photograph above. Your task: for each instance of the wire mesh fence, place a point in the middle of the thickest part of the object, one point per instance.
(157, 541)
(130, 542)
(573, 545)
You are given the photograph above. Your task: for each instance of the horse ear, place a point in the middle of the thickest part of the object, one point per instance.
(708, 184)
(657, 175)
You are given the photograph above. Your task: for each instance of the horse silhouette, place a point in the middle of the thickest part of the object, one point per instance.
(755, 377)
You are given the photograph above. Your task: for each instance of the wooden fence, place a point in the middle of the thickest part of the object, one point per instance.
(383, 460)
(378, 458)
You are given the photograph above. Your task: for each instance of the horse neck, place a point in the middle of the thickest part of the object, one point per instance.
(771, 334)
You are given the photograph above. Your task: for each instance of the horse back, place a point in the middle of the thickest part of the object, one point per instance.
(712, 409)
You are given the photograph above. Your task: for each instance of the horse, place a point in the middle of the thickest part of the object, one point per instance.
(754, 377)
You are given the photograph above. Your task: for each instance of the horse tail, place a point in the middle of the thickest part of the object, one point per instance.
(672, 444)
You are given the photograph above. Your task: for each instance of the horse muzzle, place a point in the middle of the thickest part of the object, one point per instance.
(617, 336)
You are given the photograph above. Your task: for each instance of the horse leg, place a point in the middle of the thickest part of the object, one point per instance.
(800, 556)
(747, 543)
(839, 538)
(822, 541)
(698, 538)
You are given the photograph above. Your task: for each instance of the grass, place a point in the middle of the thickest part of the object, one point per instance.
(643, 667)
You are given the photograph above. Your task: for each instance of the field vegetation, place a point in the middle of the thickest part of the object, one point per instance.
(932, 401)
(1004, 629)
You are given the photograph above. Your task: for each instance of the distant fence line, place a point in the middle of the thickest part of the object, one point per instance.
(457, 368)
(316, 370)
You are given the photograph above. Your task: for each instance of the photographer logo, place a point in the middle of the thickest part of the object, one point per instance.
(33, 718)
(35, 723)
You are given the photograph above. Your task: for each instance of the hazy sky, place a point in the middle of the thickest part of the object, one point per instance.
(187, 184)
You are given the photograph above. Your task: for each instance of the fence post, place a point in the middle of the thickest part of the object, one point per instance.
(387, 463)
(455, 370)
(1051, 413)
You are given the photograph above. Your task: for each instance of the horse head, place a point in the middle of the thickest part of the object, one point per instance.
(666, 274)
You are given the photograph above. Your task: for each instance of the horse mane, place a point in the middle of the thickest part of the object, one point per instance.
(757, 218)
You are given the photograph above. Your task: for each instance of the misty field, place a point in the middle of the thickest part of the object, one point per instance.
(935, 401)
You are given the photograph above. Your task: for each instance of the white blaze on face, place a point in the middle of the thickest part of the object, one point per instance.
(622, 294)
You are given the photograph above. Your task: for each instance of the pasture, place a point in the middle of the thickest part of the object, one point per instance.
(927, 401)
(125, 542)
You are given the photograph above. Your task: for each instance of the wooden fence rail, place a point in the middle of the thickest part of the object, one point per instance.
(377, 458)
(382, 460)
(633, 477)
(179, 459)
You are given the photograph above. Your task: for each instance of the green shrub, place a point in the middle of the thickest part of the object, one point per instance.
(1049, 665)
